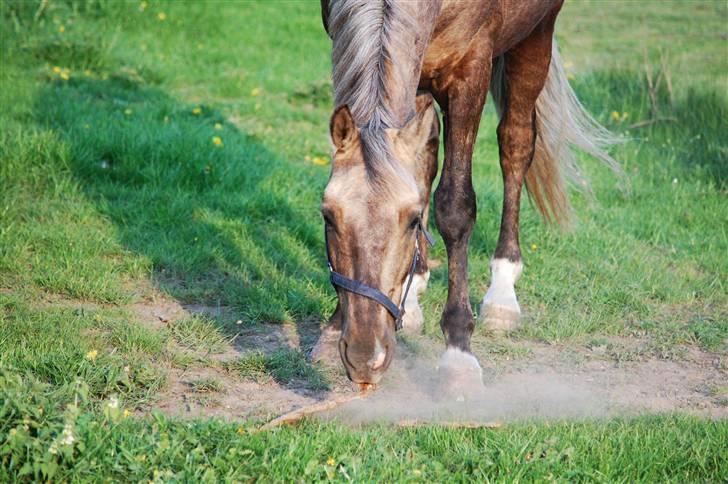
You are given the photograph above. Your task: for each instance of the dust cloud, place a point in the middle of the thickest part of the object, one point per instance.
(415, 388)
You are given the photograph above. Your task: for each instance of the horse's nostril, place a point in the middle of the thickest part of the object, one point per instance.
(343, 349)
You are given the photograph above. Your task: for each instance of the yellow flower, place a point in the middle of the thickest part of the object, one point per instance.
(143, 6)
(330, 461)
(625, 116)
(241, 431)
(218, 126)
(91, 355)
(534, 246)
(570, 76)
(62, 29)
(128, 111)
(65, 74)
(255, 92)
(217, 141)
(320, 160)
(615, 115)
(126, 412)
(162, 16)
(56, 69)
(196, 110)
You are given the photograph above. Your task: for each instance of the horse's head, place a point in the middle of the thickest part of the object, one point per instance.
(373, 220)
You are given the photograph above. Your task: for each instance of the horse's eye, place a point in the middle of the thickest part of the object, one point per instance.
(414, 223)
(327, 220)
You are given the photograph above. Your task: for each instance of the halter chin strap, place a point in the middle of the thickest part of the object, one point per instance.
(358, 287)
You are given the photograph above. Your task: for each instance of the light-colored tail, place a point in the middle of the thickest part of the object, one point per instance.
(562, 123)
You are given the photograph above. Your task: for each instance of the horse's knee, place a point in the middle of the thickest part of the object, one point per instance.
(455, 211)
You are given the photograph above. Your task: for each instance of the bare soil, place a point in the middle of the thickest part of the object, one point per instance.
(536, 380)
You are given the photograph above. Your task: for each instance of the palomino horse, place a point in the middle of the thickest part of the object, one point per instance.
(386, 138)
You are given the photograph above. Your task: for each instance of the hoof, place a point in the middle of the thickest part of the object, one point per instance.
(459, 375)
(326, 349)
(500, 319)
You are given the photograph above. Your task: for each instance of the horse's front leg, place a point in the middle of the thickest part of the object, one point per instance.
(455, 207)
(326, 348)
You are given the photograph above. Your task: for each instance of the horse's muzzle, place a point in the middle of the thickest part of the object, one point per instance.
(365, 368)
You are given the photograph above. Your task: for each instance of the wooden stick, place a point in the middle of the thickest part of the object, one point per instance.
(297, 415)
(450, 425)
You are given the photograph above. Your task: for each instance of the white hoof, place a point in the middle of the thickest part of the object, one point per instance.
(413, 319)
(460, 374)
(499, 310)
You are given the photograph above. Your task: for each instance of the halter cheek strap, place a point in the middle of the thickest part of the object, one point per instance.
(358, 287)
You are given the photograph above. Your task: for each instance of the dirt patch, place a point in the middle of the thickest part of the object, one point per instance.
(547, 382)
(237, 398)
(521, 379)
(232, 396)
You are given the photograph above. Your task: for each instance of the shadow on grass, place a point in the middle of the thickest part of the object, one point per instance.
(217, 218)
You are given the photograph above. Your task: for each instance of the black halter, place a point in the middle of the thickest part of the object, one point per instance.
(358, 287)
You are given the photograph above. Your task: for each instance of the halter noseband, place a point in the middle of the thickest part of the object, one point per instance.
(358, 287)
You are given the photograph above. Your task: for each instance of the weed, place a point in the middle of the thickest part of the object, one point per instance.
(206, 385)
(199, 333)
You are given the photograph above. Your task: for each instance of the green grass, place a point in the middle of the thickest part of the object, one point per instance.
(104, 443)
(112, 190)
(207, 385)
(199, 333)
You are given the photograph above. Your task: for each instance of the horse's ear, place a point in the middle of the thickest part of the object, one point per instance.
(342, 127)
(424, 125)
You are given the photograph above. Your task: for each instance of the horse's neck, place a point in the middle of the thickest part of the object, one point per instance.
(377, 57)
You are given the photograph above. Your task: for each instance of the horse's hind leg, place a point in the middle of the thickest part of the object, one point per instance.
(526, 69)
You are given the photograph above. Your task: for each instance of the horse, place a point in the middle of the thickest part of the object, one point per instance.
(391, 62)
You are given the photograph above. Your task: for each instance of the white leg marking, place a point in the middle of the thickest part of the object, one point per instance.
(500, 308)
(413, 318)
